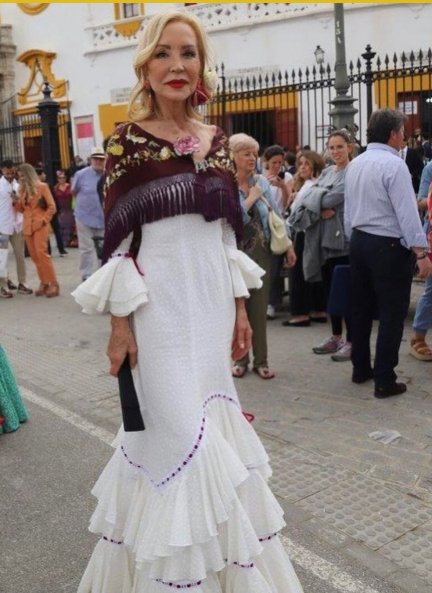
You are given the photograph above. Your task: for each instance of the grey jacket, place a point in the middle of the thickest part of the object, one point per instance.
(324, 239)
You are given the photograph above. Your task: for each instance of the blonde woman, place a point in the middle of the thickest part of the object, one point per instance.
(256, 245)
(174, 506)
(38, 206)
(308, 300)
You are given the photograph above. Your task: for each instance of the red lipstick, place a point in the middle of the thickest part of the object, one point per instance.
(177, 84)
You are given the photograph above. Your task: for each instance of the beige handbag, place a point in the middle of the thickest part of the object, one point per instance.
(279, 242)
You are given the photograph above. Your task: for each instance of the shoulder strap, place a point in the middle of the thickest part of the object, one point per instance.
(266, 202)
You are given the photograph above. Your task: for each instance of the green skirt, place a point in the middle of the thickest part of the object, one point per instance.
(12, 408)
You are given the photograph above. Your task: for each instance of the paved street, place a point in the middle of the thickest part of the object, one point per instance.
(359, 512)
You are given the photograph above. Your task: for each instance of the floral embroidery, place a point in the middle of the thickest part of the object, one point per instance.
(149, 149)
(115, 149)
(165, 153)
(134, 138)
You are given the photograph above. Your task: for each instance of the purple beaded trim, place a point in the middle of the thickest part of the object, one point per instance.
(112, 541)
(129, 255)
(251, 565)
(198, 583)
(191, 455)
(267, 538)
(187, 586)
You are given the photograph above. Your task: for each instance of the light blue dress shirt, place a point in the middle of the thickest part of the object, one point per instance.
(379, 197)
(425, 181)
(88, 209)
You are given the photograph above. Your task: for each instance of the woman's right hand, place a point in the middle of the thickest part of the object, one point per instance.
(254, 194)
(121, 344)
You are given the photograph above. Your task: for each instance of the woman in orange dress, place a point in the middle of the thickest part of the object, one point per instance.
(38, 206)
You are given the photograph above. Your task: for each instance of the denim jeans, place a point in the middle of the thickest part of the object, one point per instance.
(423, 314)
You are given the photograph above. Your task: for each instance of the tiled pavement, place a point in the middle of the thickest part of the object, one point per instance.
(371, 500)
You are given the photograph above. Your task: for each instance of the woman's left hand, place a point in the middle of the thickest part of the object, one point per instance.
(290, 258)
(327, 213)
(276, 181)
(242, 338)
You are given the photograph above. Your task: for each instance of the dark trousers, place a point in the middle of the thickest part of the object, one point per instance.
(381, 273)
(327, 274)
(58, 234)
(256, 307)
(276, 280)
(305, 296)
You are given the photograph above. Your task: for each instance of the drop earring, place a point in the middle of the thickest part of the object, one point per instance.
(200, 95)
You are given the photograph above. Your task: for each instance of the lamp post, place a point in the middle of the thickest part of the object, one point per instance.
(319, 54)
(48, 111)
(343, 110)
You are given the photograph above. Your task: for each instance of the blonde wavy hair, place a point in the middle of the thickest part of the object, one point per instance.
(140, 107)
(242, 141)
(29, 181)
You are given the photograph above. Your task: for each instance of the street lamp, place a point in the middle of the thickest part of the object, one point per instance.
(343, 111)
(319, 54)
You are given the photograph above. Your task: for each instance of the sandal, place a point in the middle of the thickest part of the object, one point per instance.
(238, 371)
(420, 350)
(264, 372)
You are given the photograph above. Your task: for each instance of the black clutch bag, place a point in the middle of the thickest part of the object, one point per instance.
(132, 419)
(42, 203)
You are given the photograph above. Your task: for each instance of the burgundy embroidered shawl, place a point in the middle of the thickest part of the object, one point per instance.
(147, 181)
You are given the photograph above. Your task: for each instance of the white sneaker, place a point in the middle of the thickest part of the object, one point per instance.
(271, 313)
(330, 346)
(343, 354)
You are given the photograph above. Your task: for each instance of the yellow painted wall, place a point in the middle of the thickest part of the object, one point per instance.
(110, 116)
(281, 101)
(386, 91)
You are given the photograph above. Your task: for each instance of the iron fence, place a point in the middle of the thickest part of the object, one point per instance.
(21, 135)
(292, 108)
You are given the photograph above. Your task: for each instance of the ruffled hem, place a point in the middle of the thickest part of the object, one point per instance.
(214, 519)
(112, 569)
(117, 287)
(245, 273)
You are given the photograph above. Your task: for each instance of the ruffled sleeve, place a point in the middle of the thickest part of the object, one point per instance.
(117, 287)
(245, 273)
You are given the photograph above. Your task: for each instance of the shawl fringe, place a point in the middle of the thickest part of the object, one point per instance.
(185, 193)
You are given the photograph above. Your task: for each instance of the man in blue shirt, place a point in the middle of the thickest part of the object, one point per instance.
(89, 214)
(386, 237)
(425, 181)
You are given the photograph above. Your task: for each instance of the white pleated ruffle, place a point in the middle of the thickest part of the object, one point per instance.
(245, 273)
(117, 287)
(112, 570)
(211, 529)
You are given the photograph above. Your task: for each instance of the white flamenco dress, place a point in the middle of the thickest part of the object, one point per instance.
(184, 504)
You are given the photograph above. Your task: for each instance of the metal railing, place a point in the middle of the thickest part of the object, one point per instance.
(292, 108)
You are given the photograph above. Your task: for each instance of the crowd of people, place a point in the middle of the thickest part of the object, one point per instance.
(198, 234)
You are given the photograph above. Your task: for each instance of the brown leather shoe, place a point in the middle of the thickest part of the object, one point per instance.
(53, 290)
(42, 289)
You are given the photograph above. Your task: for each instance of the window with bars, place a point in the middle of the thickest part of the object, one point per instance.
(129, 10)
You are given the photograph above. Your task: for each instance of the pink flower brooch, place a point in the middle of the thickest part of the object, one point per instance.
(186, 145)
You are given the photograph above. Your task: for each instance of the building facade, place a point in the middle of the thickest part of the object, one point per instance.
(85, 52)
